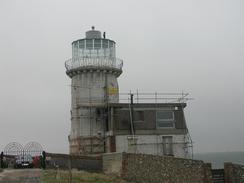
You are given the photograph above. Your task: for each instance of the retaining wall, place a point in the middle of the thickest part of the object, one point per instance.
(141, 168)
(160, 169)
(64, 161)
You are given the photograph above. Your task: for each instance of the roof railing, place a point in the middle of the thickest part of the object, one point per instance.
(154, 97)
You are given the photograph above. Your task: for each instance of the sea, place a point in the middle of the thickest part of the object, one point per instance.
(217, 159)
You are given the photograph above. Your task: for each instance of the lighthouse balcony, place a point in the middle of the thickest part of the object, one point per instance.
(79, 63)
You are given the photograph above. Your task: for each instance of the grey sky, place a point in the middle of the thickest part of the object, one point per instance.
(167, 46)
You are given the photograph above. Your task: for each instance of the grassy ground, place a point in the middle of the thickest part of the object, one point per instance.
(53, 176)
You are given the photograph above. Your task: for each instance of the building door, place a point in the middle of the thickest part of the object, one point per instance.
(167, 145)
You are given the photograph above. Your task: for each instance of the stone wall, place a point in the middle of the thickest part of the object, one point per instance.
(234, 173)
(64, 161)
(141, 168)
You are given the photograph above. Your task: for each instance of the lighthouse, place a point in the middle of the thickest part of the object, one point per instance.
(93, 69)
(101, 122)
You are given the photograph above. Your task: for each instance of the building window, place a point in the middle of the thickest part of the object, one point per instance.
(165, 119)
(167, 145)
(138, 116)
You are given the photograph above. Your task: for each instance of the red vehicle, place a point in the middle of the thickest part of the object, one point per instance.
(37, 162)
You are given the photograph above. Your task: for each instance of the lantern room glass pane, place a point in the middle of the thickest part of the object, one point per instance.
(97, 44)
(82, 44)
(105, 43)
(89, 44)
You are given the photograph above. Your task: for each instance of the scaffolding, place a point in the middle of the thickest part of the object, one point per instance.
(130, 98)
(154, 97)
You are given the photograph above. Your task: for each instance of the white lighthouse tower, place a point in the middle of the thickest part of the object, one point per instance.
(93, 70)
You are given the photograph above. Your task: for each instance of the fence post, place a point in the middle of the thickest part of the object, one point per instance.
(43, 160)
(1, 160)
(70, 172)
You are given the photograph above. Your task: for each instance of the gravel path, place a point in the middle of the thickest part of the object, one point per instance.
(20, 176)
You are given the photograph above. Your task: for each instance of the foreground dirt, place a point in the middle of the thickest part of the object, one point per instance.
(20, 176)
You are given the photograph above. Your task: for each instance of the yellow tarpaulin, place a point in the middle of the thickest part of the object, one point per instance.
(112, 90)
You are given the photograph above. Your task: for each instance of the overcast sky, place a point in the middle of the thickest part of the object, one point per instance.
(196, 46)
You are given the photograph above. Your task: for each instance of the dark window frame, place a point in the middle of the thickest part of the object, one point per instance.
(169, 122)
(138, 116)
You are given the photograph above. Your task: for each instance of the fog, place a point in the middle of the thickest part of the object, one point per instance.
(193, 46)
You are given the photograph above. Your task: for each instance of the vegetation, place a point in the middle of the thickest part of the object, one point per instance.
(61, 176)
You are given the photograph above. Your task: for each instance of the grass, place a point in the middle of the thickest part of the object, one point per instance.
(61, 176)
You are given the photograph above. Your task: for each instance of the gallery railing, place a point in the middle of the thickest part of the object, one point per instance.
(109, 62)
